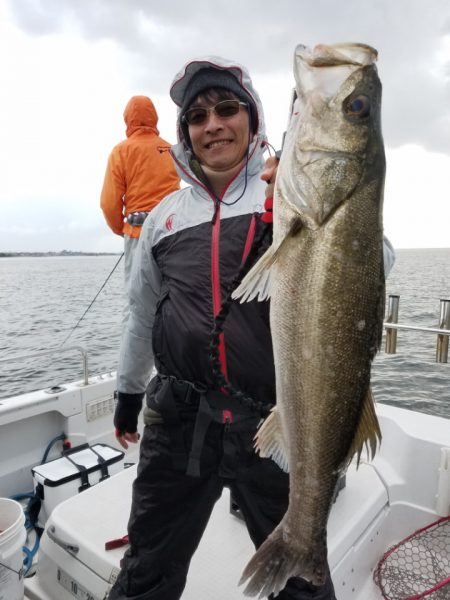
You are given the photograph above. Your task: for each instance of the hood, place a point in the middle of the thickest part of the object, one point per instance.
(181, 152)
(140, 113)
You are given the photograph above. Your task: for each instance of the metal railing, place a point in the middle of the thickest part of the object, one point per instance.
(55, 351)
(443, 331)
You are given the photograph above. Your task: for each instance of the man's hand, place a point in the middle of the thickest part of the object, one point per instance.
(269, 174)
(126, 418)
(124, 437)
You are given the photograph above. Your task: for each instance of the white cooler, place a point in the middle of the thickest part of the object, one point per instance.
(73, 562)
(75, 472)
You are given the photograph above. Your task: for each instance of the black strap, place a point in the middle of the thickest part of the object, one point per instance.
(103, 465)
(83, 474)
(164, 403)
(202, 423)
(227, 467)
(169, 395)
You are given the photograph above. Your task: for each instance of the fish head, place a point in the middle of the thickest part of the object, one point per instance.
(334, 139)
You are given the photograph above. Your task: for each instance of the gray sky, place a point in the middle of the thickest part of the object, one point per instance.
(68, 67)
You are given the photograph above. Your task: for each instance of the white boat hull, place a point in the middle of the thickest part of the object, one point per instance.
(382, 503)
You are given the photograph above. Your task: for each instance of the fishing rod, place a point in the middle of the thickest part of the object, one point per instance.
(94, 299)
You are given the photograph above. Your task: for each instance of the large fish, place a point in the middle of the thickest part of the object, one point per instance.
(324, 274)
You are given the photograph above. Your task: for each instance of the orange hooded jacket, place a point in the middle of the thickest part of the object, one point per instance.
(138, 174)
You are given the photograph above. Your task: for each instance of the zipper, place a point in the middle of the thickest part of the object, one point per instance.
(215, 272)
(250, 238)
(227, 419)
(215, 280)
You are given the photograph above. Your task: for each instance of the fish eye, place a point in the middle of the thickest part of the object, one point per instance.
(357, 106)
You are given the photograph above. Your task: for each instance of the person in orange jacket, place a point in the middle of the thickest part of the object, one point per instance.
(139, 174)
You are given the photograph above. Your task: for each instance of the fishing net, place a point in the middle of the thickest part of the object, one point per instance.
(419, 566)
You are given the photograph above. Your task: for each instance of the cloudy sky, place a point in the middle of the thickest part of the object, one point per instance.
(68, 67)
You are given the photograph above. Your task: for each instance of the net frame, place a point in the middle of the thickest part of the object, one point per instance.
(378, 573)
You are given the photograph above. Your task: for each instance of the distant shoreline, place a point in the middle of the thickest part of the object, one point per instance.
(79, 253)
(52, 254)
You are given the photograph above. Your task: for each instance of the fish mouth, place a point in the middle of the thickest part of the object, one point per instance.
(323, 69)
(334, 55)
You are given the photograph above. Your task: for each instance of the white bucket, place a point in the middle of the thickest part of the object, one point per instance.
(12, 537)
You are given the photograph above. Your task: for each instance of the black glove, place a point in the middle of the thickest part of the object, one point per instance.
(127, 411)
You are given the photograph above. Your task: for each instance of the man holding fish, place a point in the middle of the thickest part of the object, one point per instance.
(207, 400)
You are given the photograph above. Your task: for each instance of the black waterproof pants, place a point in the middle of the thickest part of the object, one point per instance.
(170, 510)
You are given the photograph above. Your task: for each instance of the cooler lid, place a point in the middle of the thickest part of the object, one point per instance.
(61, 470)
(89, 520)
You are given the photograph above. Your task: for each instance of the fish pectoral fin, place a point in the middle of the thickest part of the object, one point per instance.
(270, 442)
(257, 282)
(368, 432)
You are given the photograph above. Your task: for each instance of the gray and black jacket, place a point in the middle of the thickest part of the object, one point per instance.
(191, 248)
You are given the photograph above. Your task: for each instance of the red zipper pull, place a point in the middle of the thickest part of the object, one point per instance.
(227, 419)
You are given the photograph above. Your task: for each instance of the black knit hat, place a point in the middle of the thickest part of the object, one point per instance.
(217, 78)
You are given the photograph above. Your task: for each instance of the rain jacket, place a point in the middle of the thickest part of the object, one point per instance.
(191, 248)
(140, 171)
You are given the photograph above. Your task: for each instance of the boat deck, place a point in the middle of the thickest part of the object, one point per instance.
(225, 548)
(382, 503)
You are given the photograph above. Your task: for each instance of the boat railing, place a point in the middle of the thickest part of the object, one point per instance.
(442, 332)
(80, 349)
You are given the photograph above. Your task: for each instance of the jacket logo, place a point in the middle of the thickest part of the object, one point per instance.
(170, 222)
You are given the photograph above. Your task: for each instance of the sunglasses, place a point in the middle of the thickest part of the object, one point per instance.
(224, 110)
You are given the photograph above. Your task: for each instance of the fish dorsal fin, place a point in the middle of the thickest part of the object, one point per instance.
(256, 284)
(270, 442)
(368, 432)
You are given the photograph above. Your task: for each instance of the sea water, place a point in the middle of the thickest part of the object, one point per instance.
(43, 298)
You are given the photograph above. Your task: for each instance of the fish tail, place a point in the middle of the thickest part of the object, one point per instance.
(276, 561)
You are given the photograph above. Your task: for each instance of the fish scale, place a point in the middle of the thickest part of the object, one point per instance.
(326, 285)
